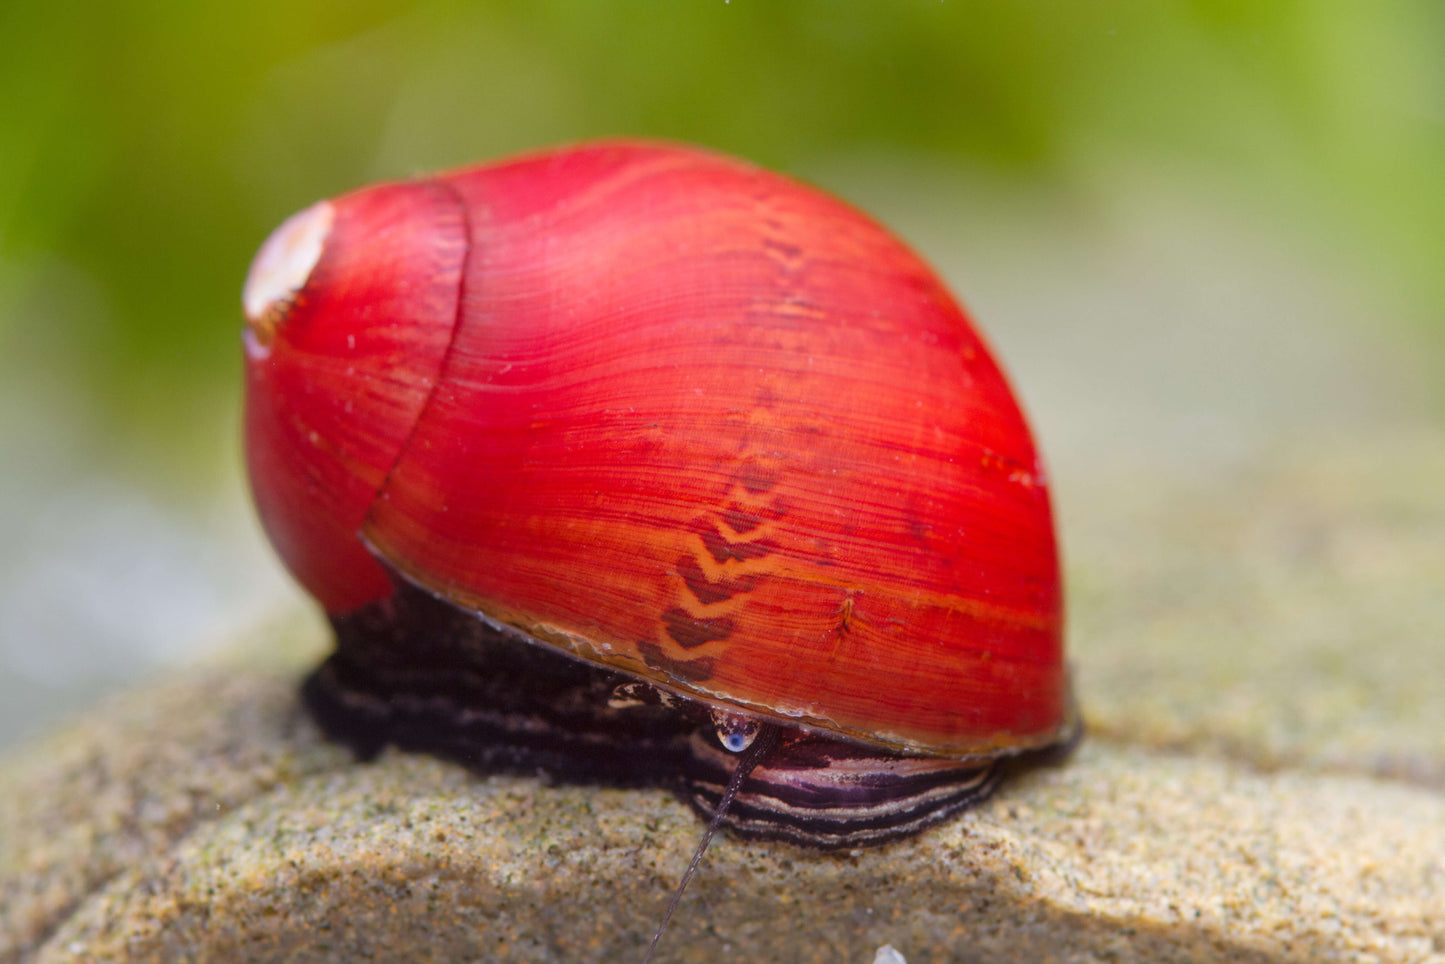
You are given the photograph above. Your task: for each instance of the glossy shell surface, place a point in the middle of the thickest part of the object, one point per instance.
(672, 414)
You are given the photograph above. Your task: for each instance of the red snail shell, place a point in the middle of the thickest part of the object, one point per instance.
(719, 443)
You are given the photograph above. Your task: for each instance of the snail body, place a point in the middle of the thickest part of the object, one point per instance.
(601, 458)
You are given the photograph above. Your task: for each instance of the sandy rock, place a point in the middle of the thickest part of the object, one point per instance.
(208, 821)
(1288, 613)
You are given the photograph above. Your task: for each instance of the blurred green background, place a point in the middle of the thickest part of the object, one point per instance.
(147, 148)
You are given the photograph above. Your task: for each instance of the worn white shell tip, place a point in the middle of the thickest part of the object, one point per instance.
(285, 260)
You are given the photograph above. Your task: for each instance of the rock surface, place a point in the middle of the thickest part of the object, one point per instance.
(1259, 660)
(1290, 614)
(214, 824)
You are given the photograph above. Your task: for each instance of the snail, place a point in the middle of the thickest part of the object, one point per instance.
(640, 464)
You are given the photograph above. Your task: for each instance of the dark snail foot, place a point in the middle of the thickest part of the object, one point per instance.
(832, 795)
(423, 675)
(419, 673)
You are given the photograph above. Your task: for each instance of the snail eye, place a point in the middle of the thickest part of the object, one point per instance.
(735, 732)
(281, 269)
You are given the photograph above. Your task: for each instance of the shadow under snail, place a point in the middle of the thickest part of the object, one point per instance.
(639, 464)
